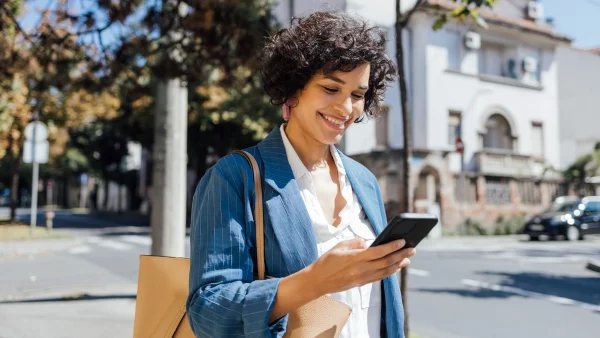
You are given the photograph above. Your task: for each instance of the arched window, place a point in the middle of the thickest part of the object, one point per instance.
(498, 134)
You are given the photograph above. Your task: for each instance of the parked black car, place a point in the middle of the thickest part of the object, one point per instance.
(570, 217)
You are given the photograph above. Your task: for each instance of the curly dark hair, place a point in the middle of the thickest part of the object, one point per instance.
(325, 42)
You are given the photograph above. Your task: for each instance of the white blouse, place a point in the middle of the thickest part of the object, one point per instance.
(365, 301)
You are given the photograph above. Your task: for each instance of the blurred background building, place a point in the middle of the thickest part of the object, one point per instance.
(518, 95)
(511, 93)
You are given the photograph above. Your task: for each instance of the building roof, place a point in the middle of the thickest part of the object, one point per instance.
(511, 22)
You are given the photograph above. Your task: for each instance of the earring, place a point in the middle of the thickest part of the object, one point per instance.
(285, 111)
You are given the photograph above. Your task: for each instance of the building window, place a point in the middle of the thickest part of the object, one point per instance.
(491, 59)
(454, 49)
(497, 191)
(537, 139)
(529, 192)
(498, 134)
(454, 127)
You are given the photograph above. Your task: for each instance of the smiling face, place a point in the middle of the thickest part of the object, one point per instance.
(329, 104)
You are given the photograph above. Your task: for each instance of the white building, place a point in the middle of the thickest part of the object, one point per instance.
(496, 88)
(579, 102)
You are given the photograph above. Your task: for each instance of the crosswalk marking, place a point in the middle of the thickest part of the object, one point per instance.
(418, 272)
(141, 240)
(80, 250)
(530, 294)
(118, 243)
(107, 243)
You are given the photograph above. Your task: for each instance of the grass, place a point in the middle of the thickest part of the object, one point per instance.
(22, 232)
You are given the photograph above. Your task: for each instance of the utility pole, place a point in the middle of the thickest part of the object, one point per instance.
(168, 220)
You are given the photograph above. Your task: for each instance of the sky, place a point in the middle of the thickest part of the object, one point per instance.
(577, 19)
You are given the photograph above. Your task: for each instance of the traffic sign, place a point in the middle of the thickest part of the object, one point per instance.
(41, 152)
(37, 131)
(460, 146)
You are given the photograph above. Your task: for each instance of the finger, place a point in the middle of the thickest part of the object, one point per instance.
(385, 272)
(392, 259)
(383, 250)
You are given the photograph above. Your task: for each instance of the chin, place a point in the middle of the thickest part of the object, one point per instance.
(332, 139)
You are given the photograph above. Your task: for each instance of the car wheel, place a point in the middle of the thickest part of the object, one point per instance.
(573, 233)
(534, 238)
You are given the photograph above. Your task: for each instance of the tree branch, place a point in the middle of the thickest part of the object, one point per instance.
(406, 17)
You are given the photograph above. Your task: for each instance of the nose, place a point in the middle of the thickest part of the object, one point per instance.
(345, 107)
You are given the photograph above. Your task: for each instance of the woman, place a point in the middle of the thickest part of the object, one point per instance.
(322, 209)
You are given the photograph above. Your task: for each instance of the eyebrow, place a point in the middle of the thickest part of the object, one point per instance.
(340, 81)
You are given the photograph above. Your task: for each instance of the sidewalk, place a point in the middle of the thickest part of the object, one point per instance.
(19, 248)
(103, 311)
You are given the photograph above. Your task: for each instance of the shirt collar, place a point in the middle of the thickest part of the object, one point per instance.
(298, 168)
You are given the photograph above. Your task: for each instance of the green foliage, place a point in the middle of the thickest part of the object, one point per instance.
(587, 165)
(465, 9)
(504, 225)
(509, 225)
(474, 227)
(104, 146)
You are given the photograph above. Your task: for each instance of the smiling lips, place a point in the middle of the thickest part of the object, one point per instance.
(336, 123)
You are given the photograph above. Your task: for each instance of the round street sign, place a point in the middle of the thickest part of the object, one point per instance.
(460, 146)
(41, 131)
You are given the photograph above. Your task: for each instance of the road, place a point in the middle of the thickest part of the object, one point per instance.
(458, 288)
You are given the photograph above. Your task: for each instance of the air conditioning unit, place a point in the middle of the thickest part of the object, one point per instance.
(530, 65)
(473, 40)
(535, 10)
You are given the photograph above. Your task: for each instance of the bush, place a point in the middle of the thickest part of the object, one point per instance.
(474, 228)
(503, 226)
(509, 225)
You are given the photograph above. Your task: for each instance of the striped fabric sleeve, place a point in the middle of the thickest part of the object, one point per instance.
(223, 300)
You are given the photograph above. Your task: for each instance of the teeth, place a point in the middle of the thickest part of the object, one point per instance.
(337, 122)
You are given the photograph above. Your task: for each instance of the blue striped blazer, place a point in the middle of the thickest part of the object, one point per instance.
(224, 300)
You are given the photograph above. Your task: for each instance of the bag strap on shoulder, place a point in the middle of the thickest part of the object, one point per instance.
(258, 213)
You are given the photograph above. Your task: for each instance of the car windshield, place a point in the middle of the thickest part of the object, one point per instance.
(562, 207)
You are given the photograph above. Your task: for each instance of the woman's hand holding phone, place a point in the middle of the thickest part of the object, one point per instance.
(352, 263)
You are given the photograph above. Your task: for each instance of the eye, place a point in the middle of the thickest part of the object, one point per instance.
(330, 90)
(358, 96)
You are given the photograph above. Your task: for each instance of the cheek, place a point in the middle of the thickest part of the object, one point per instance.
(358, 108)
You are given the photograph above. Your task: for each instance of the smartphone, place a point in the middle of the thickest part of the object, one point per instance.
(411, 227)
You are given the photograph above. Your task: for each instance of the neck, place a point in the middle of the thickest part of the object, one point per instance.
(312, 153)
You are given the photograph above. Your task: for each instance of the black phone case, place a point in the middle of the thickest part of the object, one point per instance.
(410, 226)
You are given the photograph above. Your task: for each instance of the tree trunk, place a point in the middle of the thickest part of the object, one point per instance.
(169, 197)
(106, 187)
(407, 153)
(14, 187)
(14, 177)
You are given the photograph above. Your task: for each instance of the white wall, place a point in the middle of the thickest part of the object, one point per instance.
(476, 99)
(281, 10)
(579, 102)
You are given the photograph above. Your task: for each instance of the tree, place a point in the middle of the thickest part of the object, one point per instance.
(463, 10)
(42, 68)
(585, 167)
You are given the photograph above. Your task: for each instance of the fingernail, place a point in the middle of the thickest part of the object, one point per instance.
(401, 243)
(412, 251)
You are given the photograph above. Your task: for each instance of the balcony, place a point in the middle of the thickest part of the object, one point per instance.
(505, 163)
